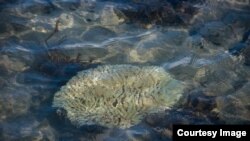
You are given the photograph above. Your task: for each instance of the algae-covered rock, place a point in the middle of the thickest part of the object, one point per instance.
(234, 109)
(14, 102)
(27, 128)
(109, 17)
(117, 95)
(217, 32)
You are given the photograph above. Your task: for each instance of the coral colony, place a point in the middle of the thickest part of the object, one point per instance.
(117, 95)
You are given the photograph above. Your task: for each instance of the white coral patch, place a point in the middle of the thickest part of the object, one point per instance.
(117, 95)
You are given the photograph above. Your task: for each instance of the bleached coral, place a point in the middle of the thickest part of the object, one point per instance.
(117, 95)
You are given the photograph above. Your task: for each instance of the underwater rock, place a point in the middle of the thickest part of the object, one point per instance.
(234, 108)
(154, 47)
(117, 95)
(158, 12)
(18, 128)
(65, 21)
(38, 7)
(12, 64)
(198, 101)
(109, 17)
(162, 123)
(216, 32)
(138, 133)
(184, 116)
(183, 72)
(27, 128)
(217, 80)
(5, 30)
(198, 45)
(78, 54)
(237, 49)
(98, 34)
(242, 48)
(13, 102)
(7, 1)
(239, 20)
(229, 3)
(66, 4)
(3, 71)
(246, 54)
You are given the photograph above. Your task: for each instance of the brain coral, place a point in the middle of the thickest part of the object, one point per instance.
(117, 95)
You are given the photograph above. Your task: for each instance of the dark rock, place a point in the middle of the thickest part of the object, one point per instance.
(242, 48)
(30, 77)
(27, 128)
(48, 68)
(44, 7)
(71, 69)
(246, 36)
(3, 70)
(237, 49)
(246, 54)
(5, 29)
(18, 27)
(67, 5)
(216, 32)
(98, 34)
(239, 84)
(200, 102)
(8, 1)
(13, 102)
(154, 120)
(184, 116)
(238, 19)
(158, 12)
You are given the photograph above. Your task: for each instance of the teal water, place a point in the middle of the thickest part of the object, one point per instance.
(204, 44)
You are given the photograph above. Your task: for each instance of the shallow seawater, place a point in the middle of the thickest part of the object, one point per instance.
(43, 43)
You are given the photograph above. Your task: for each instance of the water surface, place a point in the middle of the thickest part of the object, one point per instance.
(205, 44)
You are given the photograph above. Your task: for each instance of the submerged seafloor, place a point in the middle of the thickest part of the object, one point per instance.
(203, 43)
